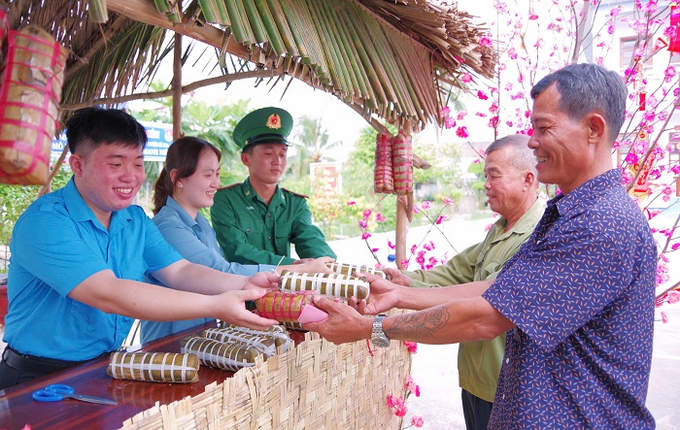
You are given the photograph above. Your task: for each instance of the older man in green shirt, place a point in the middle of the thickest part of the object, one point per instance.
(511, 188)
(256, 221)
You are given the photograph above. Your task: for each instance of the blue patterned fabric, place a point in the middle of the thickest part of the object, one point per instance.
(580, 292)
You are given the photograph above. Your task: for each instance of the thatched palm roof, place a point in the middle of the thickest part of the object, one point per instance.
(389, 59)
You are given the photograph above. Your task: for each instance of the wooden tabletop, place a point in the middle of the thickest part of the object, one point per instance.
(17, 407)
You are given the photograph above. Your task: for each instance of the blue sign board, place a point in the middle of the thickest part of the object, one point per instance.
(159, 135)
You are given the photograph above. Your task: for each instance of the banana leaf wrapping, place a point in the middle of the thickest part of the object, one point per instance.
(30, 90)
(154, 367)
(220, 355)
(284, 307)
(349, 269)
(326, 284)
(265, 344)
(277, 332)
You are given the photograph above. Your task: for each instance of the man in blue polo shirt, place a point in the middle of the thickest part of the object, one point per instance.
(577, 298)
(79, 254)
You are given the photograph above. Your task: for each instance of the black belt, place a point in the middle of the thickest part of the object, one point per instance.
(33, 364)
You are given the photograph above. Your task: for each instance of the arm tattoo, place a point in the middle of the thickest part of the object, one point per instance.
(419, 324)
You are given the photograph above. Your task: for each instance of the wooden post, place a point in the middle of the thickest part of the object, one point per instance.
(404, 214)
(177, 89)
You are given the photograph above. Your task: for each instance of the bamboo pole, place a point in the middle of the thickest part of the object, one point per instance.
(177, 89)
(404, 214)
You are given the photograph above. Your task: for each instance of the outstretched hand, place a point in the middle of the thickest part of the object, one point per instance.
(312, 265)
(343, 324)
(397, 277)
(384, 295)
(266, 280)
(231, 307)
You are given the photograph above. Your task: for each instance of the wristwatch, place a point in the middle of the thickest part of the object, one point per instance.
(379, 338)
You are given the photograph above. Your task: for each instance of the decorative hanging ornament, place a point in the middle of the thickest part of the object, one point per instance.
(642, 100)
(674, 42)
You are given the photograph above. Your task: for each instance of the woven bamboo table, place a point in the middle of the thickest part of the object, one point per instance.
(316, 385)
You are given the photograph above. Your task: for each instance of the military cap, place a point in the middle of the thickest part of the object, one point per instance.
(266, 125)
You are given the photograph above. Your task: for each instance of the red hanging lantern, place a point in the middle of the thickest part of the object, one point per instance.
(674, 42)
(675, 14)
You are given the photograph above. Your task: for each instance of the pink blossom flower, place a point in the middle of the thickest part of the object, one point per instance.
(412, 347)
(664, 317)
(367, 213)
(673, 296)
(417, 421)
(493, 122)
(351, 203)
(512, 53)
(450, 201)
(449, 122)
(488, 227)
(404, 263)
(675, 246)
(425, 205)
(401, 411)
(445, 112)
(632, 158)
(485, 41)
(363, 224)
(462, 132)
(380, 217)
(391, 401)
(467, 78)
(415, 209)
(375, 249)
(533, 17)
(462, 114)
(481, 95)
(413, 248)
(651, 6)
(440, 218)
(669, 73)
(391, 245)
(365, 235)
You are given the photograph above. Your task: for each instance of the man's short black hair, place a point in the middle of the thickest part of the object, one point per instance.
(90, 127)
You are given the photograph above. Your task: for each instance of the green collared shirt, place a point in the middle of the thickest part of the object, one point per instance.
(479, 363)
(250, 232)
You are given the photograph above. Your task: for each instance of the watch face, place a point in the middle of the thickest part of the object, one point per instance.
(380, 341)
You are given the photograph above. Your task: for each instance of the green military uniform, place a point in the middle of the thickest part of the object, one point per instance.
(248, 230)
(479, 363)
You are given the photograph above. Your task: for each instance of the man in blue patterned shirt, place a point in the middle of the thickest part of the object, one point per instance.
(578, 297)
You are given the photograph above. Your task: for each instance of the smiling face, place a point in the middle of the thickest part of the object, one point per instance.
(560, 143)
(108, 177)
(506, 186)
(266, 162)
(198, 190)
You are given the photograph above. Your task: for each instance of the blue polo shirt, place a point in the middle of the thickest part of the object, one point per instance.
(56, 244)
(195, 240)
(580, 292)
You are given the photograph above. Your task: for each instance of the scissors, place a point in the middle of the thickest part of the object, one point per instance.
(58, 392)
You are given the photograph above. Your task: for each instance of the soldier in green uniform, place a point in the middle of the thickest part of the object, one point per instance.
(256, 221)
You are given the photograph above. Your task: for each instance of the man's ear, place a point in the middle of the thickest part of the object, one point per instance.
(597, 128)
(77, 164)
(529, 179)
(245, 159)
